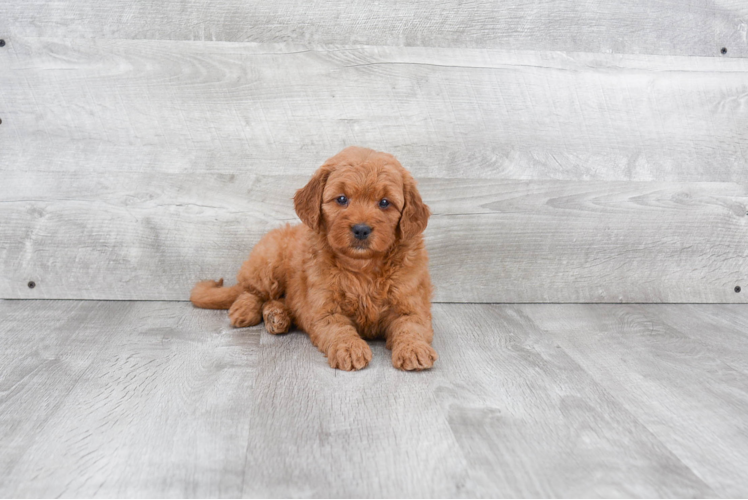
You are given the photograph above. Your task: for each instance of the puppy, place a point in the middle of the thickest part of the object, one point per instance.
(356, 269)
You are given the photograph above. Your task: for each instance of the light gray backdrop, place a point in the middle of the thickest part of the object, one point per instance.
(570, 151)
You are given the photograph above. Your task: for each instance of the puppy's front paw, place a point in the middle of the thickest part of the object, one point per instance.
(245, 311)
(276, 317)
(413, 355)
(349, 354)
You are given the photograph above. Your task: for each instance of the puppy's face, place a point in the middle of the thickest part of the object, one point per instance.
(361, 207)
(363, 201)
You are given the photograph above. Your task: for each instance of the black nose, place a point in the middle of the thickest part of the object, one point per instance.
(361, 231)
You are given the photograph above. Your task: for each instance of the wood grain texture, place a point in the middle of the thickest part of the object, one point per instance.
(319, 433)
(136, 399)
(699, 27)
(722, 329)
(156, 406)
(670, 379)
(173, 106)
(46, 349)
(141, 236)
(532, 423)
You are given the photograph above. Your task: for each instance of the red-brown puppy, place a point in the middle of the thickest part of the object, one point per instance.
(356, 269)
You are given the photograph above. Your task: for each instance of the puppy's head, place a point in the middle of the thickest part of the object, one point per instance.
(363, 201)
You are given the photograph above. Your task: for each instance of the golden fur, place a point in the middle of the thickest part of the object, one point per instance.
(337, 288)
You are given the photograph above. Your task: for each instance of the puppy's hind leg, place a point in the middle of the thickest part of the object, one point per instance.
(263, 279)
(276, 316)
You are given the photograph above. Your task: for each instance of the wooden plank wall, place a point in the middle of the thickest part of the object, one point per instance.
(694, 28)
(573, 154)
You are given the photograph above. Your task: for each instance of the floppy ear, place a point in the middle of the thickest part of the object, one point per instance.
(308, 200)
(416, 213)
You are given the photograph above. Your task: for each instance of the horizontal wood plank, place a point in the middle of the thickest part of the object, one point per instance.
(699, 27)
(150, 236)
(174, 106)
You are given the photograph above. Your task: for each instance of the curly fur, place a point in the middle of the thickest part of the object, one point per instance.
(338, 289)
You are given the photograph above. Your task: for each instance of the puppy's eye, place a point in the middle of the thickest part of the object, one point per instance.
(342, 200)
(384, 203)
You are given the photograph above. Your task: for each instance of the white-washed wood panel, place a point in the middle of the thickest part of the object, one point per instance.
(699, 27)
(589, 242)
(150, 236)
(117, 105)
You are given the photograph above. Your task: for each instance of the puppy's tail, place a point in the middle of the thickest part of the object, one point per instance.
(213, 295)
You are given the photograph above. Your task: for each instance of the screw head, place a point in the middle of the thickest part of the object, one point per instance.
(737, 289)
(2, 43)
(724, 50)
(32, 284)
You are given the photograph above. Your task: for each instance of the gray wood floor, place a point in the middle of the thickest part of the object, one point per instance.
(159, 399)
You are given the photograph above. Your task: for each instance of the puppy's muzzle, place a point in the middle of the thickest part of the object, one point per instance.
(361, 231)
